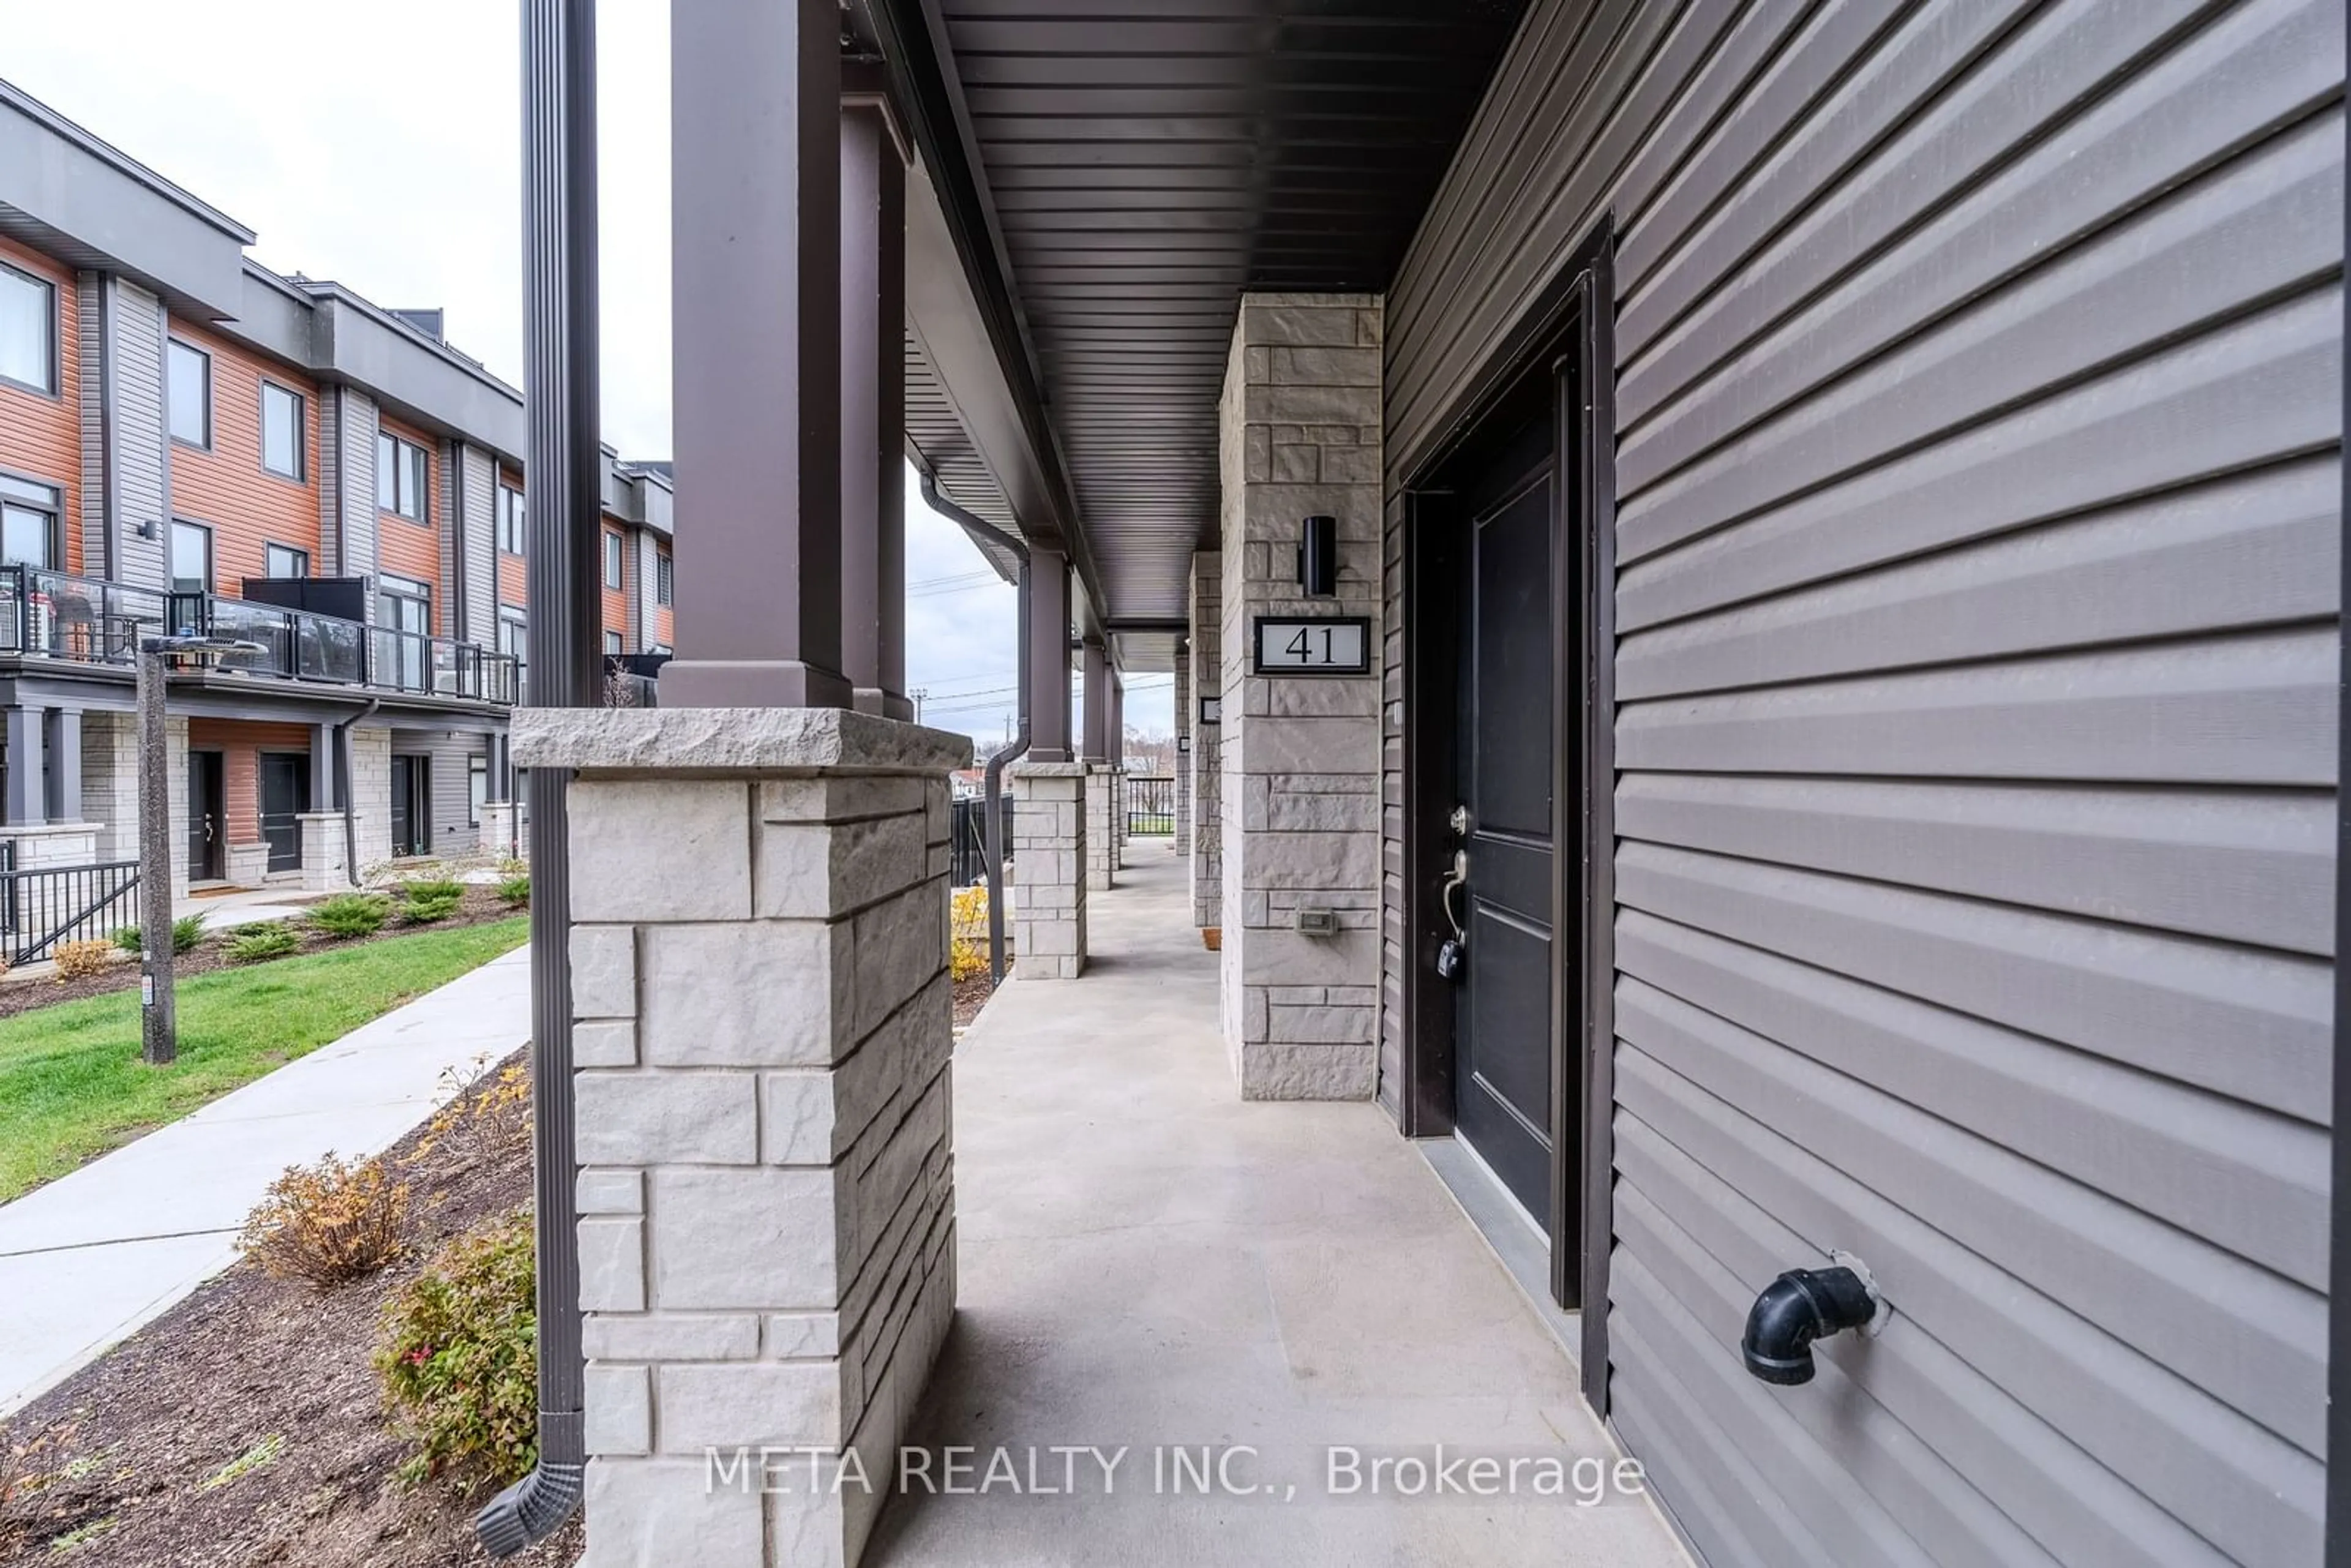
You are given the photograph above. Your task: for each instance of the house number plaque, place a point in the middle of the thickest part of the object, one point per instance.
(1312, 646)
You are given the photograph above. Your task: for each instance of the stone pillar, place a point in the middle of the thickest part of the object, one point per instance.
(873, 402)
(1049, 847)
(1300, 434)
(1184, 753)
(1206, 770)
(498, 824)
(1102, 830)
(324, 867)
(1048, 657)
(110, 783)
(759, 939)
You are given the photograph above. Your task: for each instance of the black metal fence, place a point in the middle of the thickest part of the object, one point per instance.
(1150, 805)
(51, 905)
(967, 849)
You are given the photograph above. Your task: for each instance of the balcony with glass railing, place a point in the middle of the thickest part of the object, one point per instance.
(57, 615)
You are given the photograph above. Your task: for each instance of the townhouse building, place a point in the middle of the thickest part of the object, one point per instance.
(191, 443)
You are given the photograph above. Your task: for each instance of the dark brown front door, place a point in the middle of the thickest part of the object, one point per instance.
(285, 795)
(206, 825)
(1505, 1041)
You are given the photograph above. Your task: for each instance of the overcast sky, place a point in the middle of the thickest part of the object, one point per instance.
(398, 174)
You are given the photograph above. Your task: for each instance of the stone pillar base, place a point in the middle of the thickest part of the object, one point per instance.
(325, 868)
(1049, 844)
(247, 865)
(501, 821)
(1102, 826)
(38, 846)
(759, 953)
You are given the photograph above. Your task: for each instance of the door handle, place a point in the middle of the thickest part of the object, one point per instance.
(1453, 953)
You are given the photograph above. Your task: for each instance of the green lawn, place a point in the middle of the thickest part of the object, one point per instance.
(72, 1085)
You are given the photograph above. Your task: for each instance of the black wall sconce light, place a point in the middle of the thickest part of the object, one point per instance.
(1318, 558)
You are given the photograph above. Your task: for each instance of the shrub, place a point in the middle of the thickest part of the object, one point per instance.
(515, 891)
(262, 941)
(326, 1223)
(967, 926)
(423, 909)
(437, 888)
(76, 960)
(351, 914)
(511, 867)
(187, 931)
(459, 1358)
(479, 1123)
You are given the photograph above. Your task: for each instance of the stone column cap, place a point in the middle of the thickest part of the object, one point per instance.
(762, 740)
(1050, 769)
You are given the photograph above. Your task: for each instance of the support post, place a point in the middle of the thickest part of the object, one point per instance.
(1097, 701)
(1049, 663)
(159, 1032)
(63, 729)
(873, 402)
(27, 768)
(322, 768)
(755, 103)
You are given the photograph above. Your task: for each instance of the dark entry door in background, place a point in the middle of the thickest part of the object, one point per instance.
(411, 805)
(206, 837)
(285, 794)
(1504, 1039)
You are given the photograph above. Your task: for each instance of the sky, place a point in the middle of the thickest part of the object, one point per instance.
(399, 175)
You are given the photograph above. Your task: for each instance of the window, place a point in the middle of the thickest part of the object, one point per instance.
(405, 604)
(188, 393)
(511, 520)
(28, 330)
(477, 788)
(612, 558)
(281, 431)
(400, 477)
(192, 558)
(664, 584)
(513, 638)
(28, 524)
(613, 642)
(285, 561)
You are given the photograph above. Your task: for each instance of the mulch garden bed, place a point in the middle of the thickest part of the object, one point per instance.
(127, 1457)
(24, 994)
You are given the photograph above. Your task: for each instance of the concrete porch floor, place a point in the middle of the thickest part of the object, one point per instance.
(1146, 1262)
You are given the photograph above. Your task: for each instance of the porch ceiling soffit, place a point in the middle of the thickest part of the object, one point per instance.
(1117, 183)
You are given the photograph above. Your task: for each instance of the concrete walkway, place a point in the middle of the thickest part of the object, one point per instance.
(1146, 1262)
(88, 1260)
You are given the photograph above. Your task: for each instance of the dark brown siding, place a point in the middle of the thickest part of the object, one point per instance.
(1978, 525)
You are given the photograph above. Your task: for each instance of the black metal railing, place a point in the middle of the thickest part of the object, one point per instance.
(1150, 805)
(57, 615)
(52, 904)
(967, 849)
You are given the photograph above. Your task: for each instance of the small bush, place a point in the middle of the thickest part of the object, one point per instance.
(459, 1359)
(967, 941)
(326, 1223)
(511, 867)
(435, 889)
(515, 891)
(351, 914)
(479, 1124)
(77, 959)
(264, 940)
(425, 909)
(187, 931)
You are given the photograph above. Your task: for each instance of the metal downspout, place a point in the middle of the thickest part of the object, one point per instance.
(992, 794)
(348, 783)
(562, 454)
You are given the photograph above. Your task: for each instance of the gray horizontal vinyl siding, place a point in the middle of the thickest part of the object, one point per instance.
(452, 834)
(1977, 524)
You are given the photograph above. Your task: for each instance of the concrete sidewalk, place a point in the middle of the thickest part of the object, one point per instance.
(88, 1260)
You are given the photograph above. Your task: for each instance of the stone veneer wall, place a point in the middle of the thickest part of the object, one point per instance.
(1049, 858)
(1206, 767)
(109, 782)
(758, 965)
(372, 795)
(1300, 434)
